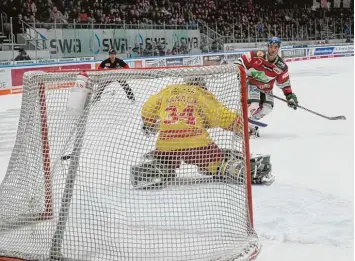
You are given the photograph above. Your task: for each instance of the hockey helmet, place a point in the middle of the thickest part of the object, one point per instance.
(274, 40)
(112, 51)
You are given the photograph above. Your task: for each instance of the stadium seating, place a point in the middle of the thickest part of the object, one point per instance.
(230, 21)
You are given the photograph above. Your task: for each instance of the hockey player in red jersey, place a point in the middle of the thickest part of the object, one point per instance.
(264, 69)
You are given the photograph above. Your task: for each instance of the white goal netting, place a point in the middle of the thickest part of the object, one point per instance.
(68, 192)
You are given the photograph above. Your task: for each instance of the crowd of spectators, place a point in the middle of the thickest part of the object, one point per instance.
(242, 21)
(231, 20)
(156, 49)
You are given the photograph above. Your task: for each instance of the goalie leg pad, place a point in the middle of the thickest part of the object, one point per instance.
(261, 167)
(232, 154)
(206, 158)
(232, 171)
(151, 175)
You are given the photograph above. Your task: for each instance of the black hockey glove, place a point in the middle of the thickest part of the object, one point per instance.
(292, 100)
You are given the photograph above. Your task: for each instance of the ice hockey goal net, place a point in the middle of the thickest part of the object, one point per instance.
(67, 193)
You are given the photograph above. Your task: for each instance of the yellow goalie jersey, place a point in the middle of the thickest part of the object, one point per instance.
(184, 113)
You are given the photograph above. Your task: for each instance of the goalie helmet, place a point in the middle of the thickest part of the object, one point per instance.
(197, 81)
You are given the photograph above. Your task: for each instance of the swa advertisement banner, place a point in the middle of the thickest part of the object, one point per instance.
(86, 42)
(291, 53)
(174, 61)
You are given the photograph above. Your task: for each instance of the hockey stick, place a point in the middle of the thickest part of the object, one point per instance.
(257, 123)
(341, 117)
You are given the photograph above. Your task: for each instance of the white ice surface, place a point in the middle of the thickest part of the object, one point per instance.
(307, 214)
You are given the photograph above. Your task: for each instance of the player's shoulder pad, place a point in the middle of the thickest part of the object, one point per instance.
(281, 64)
(259, 54)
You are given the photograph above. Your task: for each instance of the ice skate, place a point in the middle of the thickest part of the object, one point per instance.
(253, 132)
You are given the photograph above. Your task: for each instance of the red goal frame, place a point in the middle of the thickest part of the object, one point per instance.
(48, 198)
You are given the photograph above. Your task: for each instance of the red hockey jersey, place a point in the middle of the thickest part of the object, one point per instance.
(264, 74)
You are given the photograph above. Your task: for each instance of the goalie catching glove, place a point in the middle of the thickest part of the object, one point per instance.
(292, 100)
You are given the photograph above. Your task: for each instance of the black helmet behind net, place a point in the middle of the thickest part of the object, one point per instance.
(112, 51)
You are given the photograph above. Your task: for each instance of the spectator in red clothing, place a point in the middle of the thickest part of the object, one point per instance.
(83, 16)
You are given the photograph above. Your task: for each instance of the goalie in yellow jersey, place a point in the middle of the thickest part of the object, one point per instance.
(181, 114)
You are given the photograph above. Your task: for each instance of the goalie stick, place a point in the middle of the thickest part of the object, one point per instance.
(340, 117)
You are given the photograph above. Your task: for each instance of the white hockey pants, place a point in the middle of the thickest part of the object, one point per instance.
(259, 104)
